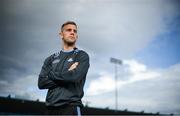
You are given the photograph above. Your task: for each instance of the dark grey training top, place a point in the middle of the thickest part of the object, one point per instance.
(64, 87)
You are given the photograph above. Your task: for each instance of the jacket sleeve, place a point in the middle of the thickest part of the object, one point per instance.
(74, 75)
(43, 81)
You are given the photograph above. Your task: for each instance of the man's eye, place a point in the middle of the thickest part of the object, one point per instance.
(68, 30)
(75, 31)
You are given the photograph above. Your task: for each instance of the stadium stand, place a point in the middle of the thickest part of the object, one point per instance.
(14, 106)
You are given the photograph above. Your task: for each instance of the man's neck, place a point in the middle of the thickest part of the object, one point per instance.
(68, 48)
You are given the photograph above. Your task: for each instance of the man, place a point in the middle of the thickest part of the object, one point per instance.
(64, 74)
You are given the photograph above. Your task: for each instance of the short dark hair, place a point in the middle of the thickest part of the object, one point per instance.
(67, 23)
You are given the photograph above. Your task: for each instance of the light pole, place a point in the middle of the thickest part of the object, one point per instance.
(116, 62)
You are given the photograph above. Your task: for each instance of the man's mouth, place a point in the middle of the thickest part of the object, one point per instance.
(71, 37)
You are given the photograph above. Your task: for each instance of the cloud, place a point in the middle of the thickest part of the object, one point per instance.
(145, 89)
(24, 88)
(133, 70)
(103, 84)
(128, 27)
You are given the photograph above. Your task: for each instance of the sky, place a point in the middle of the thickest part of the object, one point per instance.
(144, 34)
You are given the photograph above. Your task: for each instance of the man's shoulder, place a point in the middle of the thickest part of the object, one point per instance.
(82, 55)
(82, 52)
(52, 56)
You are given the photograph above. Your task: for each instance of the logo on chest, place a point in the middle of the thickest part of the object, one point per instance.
(70, 60)
(55, 61)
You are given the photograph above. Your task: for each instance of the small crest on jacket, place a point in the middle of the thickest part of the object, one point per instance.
(55, 61)
(70, 60)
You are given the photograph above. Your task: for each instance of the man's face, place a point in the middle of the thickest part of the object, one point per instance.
(69, 34)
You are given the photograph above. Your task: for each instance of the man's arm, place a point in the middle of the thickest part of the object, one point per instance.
(76, 72)
(43, 81)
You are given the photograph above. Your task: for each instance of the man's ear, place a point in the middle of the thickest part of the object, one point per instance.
(60, 34)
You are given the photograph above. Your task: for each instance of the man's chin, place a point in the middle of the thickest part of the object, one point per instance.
(70, 43)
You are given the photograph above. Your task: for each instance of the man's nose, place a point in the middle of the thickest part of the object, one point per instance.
(72, 32)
